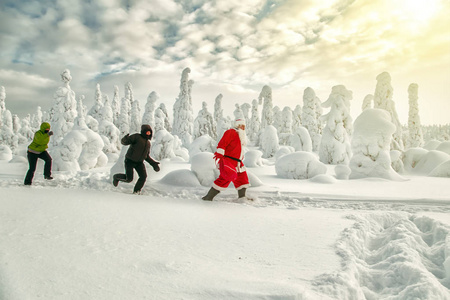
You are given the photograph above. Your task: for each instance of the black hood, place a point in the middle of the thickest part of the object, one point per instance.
(144, 129)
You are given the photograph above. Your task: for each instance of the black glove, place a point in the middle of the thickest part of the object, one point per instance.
(156, 167)
(50, 133)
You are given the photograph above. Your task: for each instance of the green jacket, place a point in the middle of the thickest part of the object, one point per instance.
(41, 139)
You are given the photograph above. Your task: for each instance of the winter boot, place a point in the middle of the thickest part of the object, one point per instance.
(48, 177)
(115, 180)
(243, 196)
(211, 194)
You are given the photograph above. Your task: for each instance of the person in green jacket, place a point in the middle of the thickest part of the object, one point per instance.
(38, 149)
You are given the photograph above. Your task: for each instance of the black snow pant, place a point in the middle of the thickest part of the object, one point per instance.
(128, 177)
(32, 161)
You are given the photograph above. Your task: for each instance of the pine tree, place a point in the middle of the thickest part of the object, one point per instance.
(183, 120)
(267, 112)
(367, 102)
(309, 117)
(115, 106)
(254, 126)
(414, 125)
(163, 109)
(150, 107)
(96, 109)
(204, 123)
(285, 130)
(383, 100)
(135, 124)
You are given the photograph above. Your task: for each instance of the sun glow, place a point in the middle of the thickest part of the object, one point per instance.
(417, 10)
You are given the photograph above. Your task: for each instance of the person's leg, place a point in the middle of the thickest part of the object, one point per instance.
(127, 177)
(142, 172)
(32, 161)
(48, 164)
(241, 184)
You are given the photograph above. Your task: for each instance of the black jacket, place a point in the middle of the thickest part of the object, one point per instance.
(139, 146)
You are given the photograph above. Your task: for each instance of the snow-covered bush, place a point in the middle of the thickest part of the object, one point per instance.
(179, 178)
(430, 161)
(202, 144)
(5, 153)
(300, 139)
(204, 167)
(442, 170)
(299, 165)
(444, 147)
(367, 102)
(371, 140)
(283, 151)
(396, 161)
(342, 172)
(432, 145)
(269, 141)
(411, 157)
(253, 159)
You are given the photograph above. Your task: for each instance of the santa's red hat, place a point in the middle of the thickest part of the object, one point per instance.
(238, 122)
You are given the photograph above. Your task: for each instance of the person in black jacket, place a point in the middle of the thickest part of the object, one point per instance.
(134, 159)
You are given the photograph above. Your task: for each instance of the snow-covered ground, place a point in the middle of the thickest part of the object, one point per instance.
(78, 237)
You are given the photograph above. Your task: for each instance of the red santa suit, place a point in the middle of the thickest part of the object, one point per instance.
(230, 154)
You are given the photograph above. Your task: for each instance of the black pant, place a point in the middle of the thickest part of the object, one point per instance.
(128, 177)
(32, 161)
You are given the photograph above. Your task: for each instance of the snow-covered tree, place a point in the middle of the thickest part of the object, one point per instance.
(309, 117)
(204, 123)
(371, 140)
(319, 113)
(167, 124)
(135, 124)
(80, 149)
(246, 108)
(267, 111)
(300, 139)
(335, 145)
(383, 100)
(7, 136)
(276, 118)
(254, 125)
(96, 109)
(150, 107)
(367, 102)
(238, 113)
(2, 101)
(183, 114)
(115, 106)
(297, 117)
(124, 116)
(64, 109)
(106, 112)
(269, 141)
(164, 144)
(285, 129)
(26, 131)
(36, 119)
(218, 111)
(414, 125)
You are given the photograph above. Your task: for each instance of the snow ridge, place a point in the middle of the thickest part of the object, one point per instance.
(391, 256)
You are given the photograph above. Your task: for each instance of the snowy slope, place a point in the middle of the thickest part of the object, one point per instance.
(78, 237)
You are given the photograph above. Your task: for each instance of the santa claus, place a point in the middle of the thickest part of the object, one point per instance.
(229, 156)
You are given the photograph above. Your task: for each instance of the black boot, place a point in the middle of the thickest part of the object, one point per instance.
(211, 194)
(241, 192)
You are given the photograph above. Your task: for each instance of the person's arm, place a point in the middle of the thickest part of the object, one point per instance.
(153, 163)
(127, 140)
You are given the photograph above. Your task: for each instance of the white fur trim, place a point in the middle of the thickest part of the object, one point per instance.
(244, 186)
(238, 122)
(219, 188)
(221, 151)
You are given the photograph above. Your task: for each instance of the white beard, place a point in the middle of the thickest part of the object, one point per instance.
(242, 137)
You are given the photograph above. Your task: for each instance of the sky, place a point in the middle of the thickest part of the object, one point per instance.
(232, 47)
